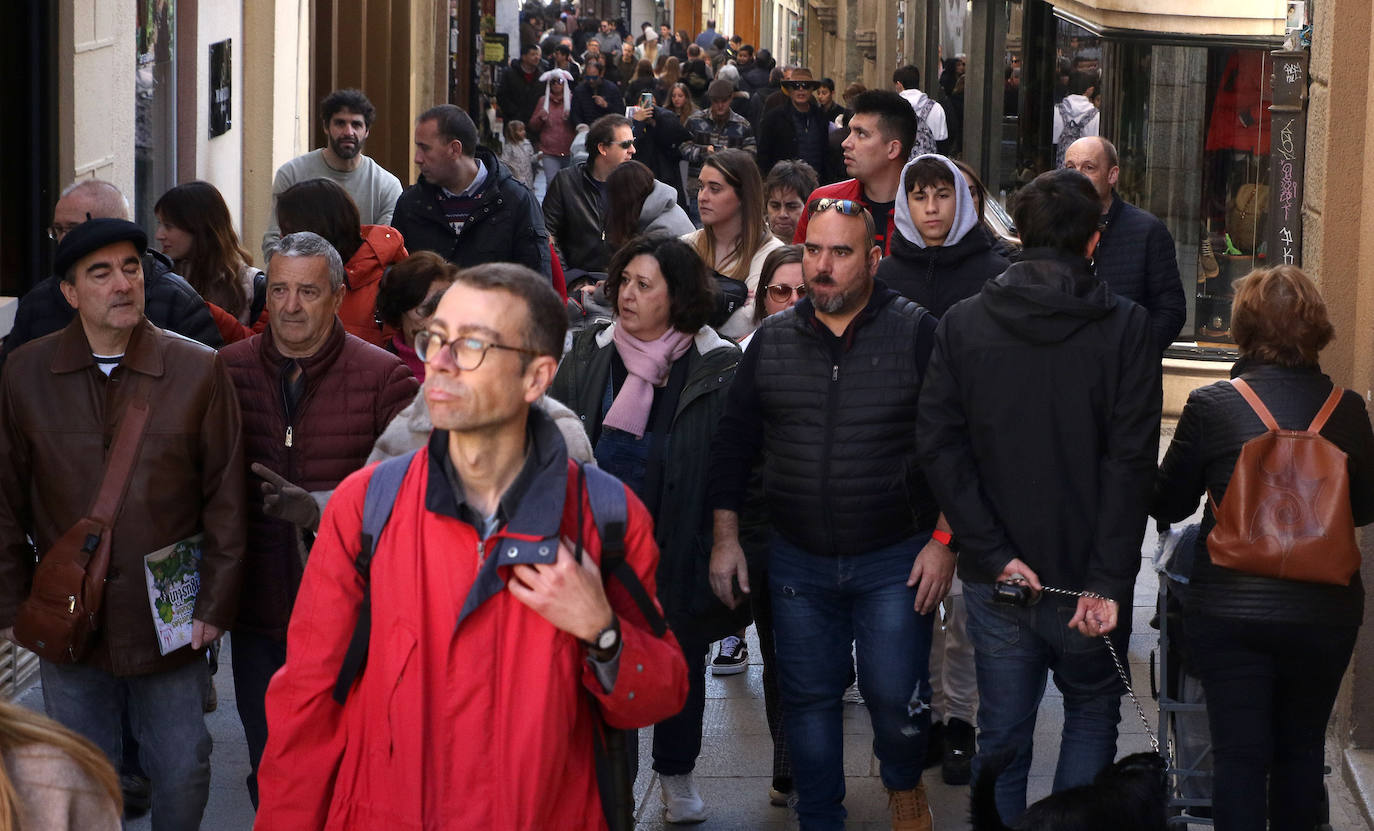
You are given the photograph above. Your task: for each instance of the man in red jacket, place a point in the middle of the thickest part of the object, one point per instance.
(314, 400)
(492, 648)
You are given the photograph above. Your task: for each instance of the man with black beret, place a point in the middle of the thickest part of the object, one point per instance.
(63, 399)
(170, 302)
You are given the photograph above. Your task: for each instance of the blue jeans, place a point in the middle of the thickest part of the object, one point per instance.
(1014, 649)
(167, 713)
(823, 607)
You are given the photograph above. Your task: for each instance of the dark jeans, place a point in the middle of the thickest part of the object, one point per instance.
(256, 659)
(761, 604)
(822, 608)
(1270, 688)
(1014, 650)
(677, 740)
(167, 715)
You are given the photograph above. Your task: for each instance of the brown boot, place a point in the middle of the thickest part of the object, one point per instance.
(910, 810)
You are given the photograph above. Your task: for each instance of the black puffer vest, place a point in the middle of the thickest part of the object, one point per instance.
(840, 471)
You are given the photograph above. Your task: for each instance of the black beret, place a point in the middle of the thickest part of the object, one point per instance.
(93, 235)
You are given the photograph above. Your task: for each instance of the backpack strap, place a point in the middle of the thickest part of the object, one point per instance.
(606, 495)
(1248, 393)
(382, 488)
(1327, 409)
(926, 107)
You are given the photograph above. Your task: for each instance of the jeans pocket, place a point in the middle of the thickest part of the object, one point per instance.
(1075, 642)
(994, 629)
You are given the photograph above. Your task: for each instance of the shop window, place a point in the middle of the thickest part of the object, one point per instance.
(155, 138)
(1190, 123)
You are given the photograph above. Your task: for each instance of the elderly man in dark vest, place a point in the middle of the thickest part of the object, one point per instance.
(315, 399)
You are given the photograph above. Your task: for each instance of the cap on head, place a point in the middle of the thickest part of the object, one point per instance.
(93, 235)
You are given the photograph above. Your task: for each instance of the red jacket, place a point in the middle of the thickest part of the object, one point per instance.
(479, 724)
(848, 189)
(382, 248)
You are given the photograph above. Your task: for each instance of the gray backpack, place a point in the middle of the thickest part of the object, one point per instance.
(925, 137)
(1072, 131)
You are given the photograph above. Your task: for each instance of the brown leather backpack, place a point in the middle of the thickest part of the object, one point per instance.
(1286, 512)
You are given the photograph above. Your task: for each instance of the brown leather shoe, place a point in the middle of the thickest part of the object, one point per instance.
(910, 810)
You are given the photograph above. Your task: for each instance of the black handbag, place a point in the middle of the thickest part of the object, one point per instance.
(731, 294)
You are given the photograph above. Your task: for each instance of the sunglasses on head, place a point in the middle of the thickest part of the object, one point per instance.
(781, 292)
(848, 207)
(795, 85)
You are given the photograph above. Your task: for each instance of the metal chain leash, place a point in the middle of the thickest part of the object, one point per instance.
(1120, 667)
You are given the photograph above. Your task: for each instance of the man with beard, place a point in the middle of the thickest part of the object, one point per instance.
(861, 555)
(347, 117)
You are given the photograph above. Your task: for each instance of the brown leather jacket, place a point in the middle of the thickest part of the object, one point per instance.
(59, 414)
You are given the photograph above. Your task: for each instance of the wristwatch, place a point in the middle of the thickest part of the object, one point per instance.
(604, 646)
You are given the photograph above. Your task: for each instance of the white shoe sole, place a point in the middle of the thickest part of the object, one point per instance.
(729, 669)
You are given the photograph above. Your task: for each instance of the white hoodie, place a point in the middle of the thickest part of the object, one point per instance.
(936, 120)
(965, 214)
(1079, 105)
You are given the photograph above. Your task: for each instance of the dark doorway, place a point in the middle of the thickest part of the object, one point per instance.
(28, 148)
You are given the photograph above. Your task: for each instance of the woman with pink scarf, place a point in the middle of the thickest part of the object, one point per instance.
(650, 387)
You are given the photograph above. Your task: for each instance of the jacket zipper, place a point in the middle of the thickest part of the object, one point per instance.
(831, 400)
(286, 411)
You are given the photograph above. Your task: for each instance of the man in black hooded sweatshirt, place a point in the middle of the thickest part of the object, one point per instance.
(1038, 432)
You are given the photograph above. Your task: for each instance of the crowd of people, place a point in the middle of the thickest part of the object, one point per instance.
(754, 357)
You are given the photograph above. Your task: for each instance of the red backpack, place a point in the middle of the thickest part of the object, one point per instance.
(1286, 511)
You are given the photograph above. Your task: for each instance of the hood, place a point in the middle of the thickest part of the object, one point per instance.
(965, 216)
(659, 201)
(382, 247)
(914, 97)
(1047, 296)
(1079, 106)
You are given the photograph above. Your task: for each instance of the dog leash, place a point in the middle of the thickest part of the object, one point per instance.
(1120, 667)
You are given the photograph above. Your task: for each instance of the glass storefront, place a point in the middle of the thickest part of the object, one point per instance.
(155, 121)
(1188, 116)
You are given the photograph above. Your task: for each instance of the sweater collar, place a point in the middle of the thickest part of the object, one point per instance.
(140, 355)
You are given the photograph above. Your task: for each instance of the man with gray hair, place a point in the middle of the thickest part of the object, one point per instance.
(169, 301)
(314, 400)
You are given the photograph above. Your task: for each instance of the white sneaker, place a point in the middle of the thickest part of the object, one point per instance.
(681, 802)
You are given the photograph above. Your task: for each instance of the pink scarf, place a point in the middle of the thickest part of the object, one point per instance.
(648, 363)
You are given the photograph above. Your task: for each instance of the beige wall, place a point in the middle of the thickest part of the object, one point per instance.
(219, 160)
(277, 115)
(1259, 18)
(96, 91)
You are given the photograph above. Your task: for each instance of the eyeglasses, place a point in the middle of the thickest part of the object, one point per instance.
(623, 145)
(781, 292)
(795, 85)
(466, 353)
(57, 232)
(848, 207)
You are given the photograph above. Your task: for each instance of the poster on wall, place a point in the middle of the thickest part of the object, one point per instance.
(221, 91)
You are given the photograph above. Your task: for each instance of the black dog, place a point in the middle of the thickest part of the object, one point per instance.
(1129, 795)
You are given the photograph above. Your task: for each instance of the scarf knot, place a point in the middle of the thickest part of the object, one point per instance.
(648, 364)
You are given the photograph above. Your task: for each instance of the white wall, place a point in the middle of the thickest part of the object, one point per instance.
(219, 160)
(97, 90)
